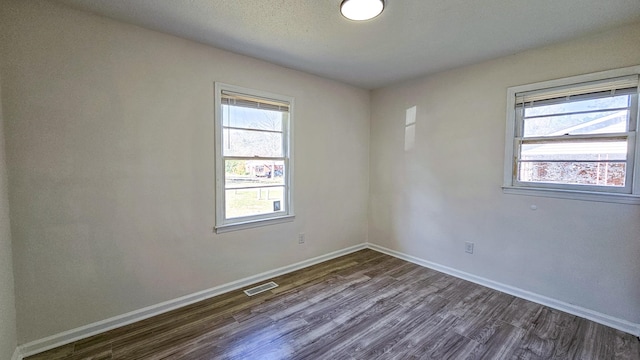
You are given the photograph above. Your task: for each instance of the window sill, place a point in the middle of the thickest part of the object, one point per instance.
(574, 195)
(253, 224)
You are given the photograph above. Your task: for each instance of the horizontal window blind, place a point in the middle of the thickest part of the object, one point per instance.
(233, 99)
(590, 90)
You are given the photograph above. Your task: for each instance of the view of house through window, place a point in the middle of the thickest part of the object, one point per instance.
(558, 146)
(255, 154)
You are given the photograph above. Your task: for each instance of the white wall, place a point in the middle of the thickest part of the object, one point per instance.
(8, 340)
(111, 166)
(428, 201)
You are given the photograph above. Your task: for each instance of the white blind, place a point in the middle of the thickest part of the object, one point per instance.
(234, 99)
(594, 89)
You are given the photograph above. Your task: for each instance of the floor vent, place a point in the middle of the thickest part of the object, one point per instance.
(261, 288)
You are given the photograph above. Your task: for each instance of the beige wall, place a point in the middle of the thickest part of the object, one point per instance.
(111, 170)
(427, 202)
(8, 341)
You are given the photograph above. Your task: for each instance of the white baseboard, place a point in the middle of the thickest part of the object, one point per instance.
(16, 354)
(86, 331)
(616, 323)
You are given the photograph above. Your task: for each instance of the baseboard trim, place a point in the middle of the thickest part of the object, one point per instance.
(66, 337)
(616, 323)
(16, 354)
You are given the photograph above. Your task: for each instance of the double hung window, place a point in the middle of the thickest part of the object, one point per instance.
(575, 138)
(253, 158)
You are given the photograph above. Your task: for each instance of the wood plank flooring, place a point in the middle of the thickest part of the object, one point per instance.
(365, 305)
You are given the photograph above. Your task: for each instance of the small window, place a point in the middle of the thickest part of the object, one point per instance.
(574, 137)
(253, 158)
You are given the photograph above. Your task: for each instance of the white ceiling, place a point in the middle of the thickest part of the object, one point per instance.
(410, 38)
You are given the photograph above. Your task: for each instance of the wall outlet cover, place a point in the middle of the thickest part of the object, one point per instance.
(468, 247)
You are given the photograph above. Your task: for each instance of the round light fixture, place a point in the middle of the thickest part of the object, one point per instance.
(360, 10)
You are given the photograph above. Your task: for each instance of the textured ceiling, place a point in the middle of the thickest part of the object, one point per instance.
(410, 38)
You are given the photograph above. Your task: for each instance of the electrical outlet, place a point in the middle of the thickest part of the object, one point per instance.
(468, 247)
(301, 238)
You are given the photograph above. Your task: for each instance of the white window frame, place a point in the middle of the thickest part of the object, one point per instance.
(511, 185)
(222, 223)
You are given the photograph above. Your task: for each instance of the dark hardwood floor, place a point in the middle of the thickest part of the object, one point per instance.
(365, 305)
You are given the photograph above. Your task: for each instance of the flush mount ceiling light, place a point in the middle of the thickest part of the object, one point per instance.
(360, 10)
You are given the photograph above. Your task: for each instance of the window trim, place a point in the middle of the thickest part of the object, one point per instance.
(511, 186)
(225, 225)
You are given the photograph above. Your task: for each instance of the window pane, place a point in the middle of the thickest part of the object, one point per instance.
(589, 123)
(253, 178)
(251, 143)
(253, 173)
(247, 118)
(585, 105)
(583, 173)
(256, 201)
(575, 150)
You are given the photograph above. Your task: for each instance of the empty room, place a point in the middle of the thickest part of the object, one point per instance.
(282, 179)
